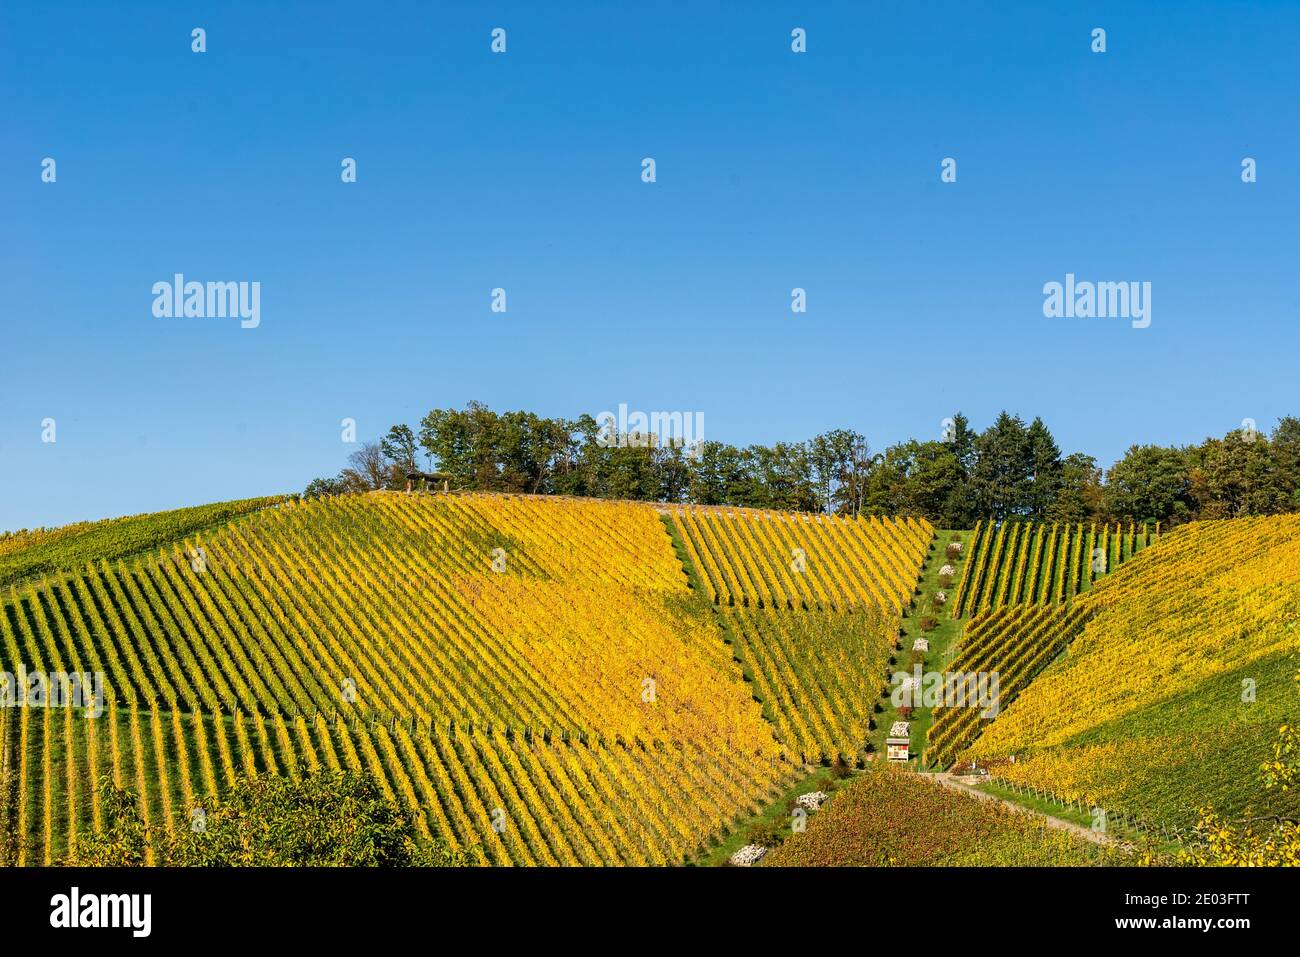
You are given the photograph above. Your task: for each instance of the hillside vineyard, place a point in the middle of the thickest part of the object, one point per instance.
(582, 682)
(536, 677)
(779, 560)
(1171, 695)
(1013, 563)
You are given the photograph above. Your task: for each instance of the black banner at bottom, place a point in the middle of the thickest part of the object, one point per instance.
(142, 907)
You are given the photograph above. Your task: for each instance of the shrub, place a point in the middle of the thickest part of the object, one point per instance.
(765, 834)
(929, 624)
(324, 818)
(953, 551)
(945, 581)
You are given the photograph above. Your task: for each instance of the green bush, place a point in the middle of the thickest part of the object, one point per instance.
(764, 834)
(323, 819)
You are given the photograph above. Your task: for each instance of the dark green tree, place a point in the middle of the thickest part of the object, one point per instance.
(717, 474)
(916, 478)
(1236, 476)
(1045, 469)
(325, 486)
(401, 448)
(1079, 496)
(1286, 458)
(1003, 473)
(960, 438)
(1150, 483)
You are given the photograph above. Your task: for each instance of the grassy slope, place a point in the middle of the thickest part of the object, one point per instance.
(1205, 748)
(27, 555)
(776, 818)
(49, 799)
(174, 525)
(943, 640)
(1079, 814)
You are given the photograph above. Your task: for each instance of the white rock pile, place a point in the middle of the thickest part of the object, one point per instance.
(812, 801)
(748, 855)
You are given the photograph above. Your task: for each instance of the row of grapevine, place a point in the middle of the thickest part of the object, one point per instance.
(1002, 652)
(520, 802)
(476, 652)
(819, 673)
(754, 558)
(1172, 693)
(26, 554)
(1013, 563)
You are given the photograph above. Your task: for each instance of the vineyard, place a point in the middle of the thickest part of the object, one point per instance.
(753, 558)
(570, 681)
(812, 605)
(1025, 563)
(527, 675)
(889, 817)
(1015, 643)
(820, 673)
(28, 553)
(1170, 697)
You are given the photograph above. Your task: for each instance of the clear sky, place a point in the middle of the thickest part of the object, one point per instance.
(522, 170)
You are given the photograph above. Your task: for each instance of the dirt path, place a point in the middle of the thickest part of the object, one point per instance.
(1087, 834)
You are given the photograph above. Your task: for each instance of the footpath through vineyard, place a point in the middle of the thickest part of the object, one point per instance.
(811, 608)
(1078, 830)
(927, 622)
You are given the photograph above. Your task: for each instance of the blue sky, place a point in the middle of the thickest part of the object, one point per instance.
(522, 171)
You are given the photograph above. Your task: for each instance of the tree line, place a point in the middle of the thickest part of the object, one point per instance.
(1010, 470)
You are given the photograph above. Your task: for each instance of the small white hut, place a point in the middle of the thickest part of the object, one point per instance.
(899, 742)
